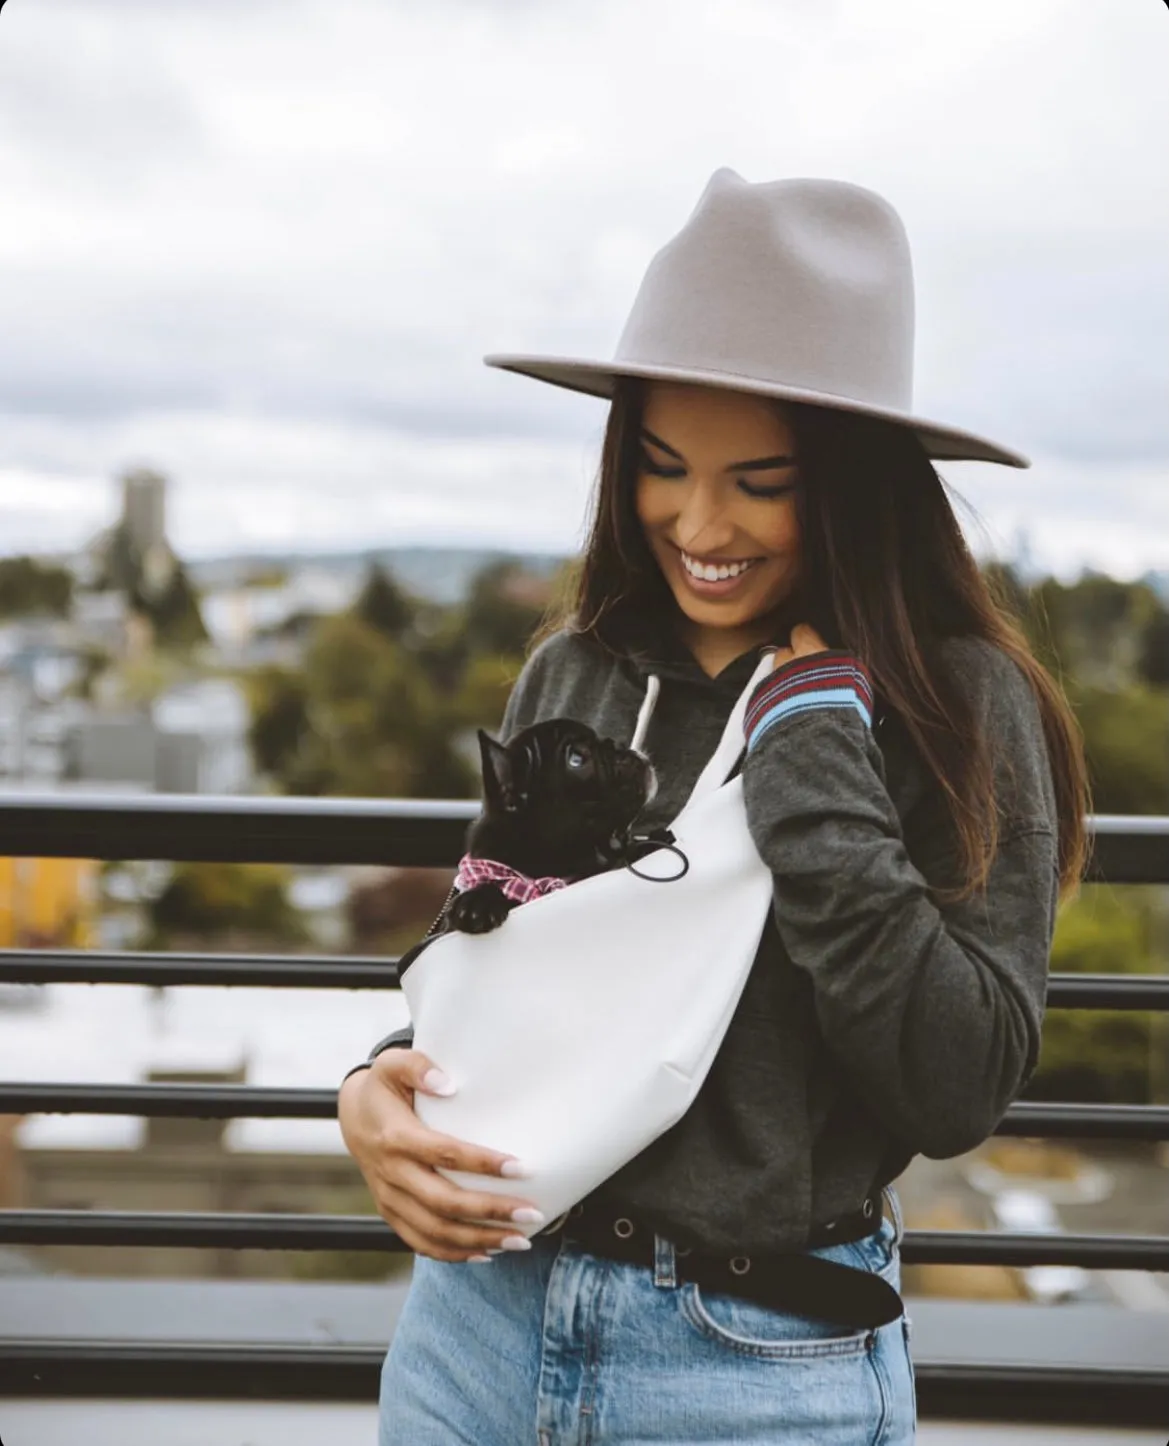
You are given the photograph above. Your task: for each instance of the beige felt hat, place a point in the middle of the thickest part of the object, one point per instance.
(800, 289)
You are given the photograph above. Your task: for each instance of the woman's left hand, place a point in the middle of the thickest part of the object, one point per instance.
(805, 640)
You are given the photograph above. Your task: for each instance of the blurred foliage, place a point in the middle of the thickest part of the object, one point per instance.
(207, 899)
(384, 605)
(95, 661)
(1107, 1056)
(29, 588)
(1126, 735)
(390, 691)
(361, 719)
(486, 686)
(1107, 642)
(503, 607)
(172, 609)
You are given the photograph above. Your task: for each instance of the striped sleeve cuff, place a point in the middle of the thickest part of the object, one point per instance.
(802, 685)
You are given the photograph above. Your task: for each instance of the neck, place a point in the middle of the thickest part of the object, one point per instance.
(714, 648)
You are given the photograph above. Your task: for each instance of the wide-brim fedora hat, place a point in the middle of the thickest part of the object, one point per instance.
(797, 289)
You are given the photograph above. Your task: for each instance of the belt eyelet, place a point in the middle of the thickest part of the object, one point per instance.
(625, 1232)
(576, 1212)
(740, 1264)
(867, 1209)
(681, 1251)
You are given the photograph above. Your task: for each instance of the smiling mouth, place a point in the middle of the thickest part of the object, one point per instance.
(714, 571)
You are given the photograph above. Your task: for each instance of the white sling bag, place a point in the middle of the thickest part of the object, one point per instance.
(583, 1027)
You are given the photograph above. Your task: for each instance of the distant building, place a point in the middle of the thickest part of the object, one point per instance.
(193, 740)
(144, 510)
(104, 620)
(212, 716)
(252, 625)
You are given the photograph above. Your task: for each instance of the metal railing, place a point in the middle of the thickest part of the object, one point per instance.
(422, 833)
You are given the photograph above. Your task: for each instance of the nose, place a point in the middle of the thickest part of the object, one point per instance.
(701, 511)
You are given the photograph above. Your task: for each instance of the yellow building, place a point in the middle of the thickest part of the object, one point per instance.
(48, 903)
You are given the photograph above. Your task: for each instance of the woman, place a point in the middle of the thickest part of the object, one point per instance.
(914, 781)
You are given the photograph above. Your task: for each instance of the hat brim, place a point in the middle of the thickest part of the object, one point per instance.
(597, 377)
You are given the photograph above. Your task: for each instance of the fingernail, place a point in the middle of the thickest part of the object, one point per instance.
(514, 1169)
(437, 1083)
(478, 1260)
(516, 1242)
(494, 1250)
(525, 1215)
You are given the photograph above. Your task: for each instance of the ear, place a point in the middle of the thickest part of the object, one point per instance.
(498, 774)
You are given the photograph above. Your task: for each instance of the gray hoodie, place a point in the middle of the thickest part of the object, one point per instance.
(874, 1025)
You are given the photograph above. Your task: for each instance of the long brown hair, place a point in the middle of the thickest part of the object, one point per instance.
(886, 575)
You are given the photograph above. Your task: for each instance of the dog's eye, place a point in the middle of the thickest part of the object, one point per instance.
(575, 757)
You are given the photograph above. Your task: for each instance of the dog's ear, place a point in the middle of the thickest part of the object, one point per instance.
(501, 786)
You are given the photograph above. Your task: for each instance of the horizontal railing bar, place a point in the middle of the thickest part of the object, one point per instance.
(345, 971)
(187, 1101)
(199, 1229)
(179, 1101)
(358, 1232)
(1107, 991)
(276, 971)
(1085, 1122)
(1105, 1396)
(246, 829)
(1126, 849)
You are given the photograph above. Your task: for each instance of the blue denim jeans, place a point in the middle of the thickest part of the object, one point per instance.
(557, 1347)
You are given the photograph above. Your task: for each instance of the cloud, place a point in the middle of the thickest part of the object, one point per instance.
(248, 226)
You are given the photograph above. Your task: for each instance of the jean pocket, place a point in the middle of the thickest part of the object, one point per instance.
(756, 1330)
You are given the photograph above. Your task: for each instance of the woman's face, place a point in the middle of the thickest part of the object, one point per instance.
(717, 485)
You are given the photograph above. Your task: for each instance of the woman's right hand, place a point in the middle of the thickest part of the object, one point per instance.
(398, 1156)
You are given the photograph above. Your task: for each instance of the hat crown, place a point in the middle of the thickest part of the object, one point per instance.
(806, 284)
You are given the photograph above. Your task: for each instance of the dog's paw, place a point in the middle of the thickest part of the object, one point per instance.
(479, 910)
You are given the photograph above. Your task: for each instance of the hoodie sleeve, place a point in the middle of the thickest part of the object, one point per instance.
(933, 1011)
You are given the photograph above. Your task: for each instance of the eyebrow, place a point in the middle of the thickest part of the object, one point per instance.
(756, 464)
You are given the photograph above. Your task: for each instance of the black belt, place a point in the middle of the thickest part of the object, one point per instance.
(801, 1284)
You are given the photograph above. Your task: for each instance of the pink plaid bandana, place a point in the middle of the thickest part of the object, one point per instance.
(515, 885)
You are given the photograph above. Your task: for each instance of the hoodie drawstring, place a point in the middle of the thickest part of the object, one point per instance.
(652, 685)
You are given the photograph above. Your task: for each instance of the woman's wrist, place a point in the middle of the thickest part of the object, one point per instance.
(830, 679)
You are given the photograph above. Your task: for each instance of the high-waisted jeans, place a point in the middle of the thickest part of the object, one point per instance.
(557, 1347)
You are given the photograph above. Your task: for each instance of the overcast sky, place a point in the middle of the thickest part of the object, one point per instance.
(263, 245)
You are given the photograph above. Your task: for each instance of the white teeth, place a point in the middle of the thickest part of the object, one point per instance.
(710, 573)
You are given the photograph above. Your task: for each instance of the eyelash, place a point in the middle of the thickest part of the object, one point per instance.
(769, 492)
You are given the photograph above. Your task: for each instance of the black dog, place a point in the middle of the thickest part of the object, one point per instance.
(557, 800)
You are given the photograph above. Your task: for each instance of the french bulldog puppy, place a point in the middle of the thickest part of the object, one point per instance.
(557, 801)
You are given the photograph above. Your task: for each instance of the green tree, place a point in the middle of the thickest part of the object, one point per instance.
(1126, 739)
(278, 701)
(1153, 650)
(361, 720)
(173, 610)
(503, 607)
(1102, 1055)
(483, 694)
(384, 605)
(205, 899)
(29, 587)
